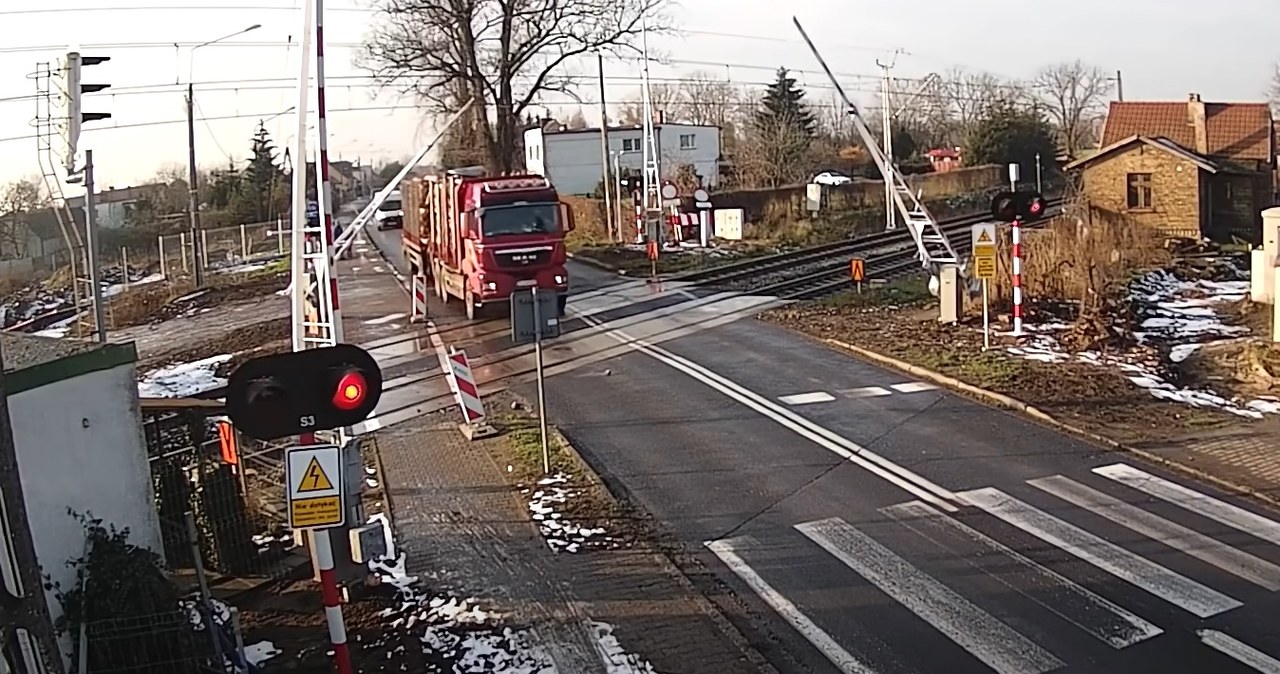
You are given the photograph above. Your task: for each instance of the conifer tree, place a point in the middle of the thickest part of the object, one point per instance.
(783, 105)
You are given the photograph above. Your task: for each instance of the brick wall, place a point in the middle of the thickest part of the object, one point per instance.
(788, 203)
(1175, 187)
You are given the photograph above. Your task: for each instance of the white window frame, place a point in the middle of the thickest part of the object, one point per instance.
(693, 141)
(634, 144)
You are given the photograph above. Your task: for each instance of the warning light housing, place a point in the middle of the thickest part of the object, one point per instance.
(1025, 206)
(303, 392)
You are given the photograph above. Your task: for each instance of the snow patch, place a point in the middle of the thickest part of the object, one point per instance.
(545, 503)
(260, 652)
(616, 659)
(181, 380)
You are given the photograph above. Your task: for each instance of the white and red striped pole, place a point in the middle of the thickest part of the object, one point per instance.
(329, 589)
(1017, 277)
(324, 191)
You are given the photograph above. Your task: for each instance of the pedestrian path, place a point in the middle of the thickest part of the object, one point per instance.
(1113, 567)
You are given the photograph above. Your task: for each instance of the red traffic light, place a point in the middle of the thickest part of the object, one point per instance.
(351, 391)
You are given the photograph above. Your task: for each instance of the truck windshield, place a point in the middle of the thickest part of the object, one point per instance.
(390, 205)
(520, 219)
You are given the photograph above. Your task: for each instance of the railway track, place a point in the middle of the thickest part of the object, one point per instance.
(799, 273)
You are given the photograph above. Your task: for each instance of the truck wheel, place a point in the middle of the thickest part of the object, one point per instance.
(472, 310)
(561, 302)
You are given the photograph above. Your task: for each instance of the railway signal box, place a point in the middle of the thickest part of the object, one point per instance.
(1022, 205)
(303, 391)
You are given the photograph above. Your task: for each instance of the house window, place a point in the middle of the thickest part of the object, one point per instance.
(1140, 196)
(687, 141)
(630, 144)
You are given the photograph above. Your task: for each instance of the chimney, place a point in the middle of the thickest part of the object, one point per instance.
(1196, 117)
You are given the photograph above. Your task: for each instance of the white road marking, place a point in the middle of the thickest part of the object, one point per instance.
(1126, 630)
(356, 268)
(866, 392)
(1168, 585)
(384, 319)
(807, 398)
(1201, 504)
(1239, 651)
(727, 549)
(904, 478)
(369, 425)
(1176, 536)
(912, 387)
(378, 268)
(973, 629)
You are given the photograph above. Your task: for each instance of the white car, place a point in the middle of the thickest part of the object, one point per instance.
(390, 213)
(831, 178)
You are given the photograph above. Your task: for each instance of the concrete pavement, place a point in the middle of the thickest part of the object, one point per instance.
(876, 524)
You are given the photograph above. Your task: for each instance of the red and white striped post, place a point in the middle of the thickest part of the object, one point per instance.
(1017, 277)
(321, 539)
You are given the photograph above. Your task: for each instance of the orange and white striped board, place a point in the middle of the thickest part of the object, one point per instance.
(467, 393)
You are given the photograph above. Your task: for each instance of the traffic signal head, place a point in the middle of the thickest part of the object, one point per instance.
(1025, 206)
(1004, 207)
(75, 89)
(303, 391)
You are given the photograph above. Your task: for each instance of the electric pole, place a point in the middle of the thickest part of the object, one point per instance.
(193, 205)
(604, 150)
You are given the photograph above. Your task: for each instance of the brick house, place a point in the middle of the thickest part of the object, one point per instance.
(1186, 169)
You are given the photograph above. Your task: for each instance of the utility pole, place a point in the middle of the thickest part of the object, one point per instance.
(651, 178)
(886, 131)
(1119, 86)
(192, 198)
(604, 148)
(91, 244)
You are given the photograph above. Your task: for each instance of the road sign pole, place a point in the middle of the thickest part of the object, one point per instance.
(329, 590)
(542, 395)
(1017, 278)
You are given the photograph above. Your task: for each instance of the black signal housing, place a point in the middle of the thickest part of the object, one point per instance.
(304, 391)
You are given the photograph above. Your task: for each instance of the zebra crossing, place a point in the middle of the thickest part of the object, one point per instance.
(1058, 573)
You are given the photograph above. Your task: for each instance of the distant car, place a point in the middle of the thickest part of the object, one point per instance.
(390, 213)
(831, 178)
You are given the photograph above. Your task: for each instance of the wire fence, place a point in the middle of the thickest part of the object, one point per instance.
(170, 255)
(171, 642)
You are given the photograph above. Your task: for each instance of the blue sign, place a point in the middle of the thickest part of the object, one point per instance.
(313, 209)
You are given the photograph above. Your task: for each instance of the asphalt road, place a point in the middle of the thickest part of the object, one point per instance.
(872, 523)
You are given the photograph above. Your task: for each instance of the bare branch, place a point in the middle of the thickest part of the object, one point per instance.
(1075, 96)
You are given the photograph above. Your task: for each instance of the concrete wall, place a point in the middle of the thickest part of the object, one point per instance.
(80, 446)
(572, 159)
(1176, 195)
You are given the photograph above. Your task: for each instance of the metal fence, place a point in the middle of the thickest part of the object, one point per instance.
(170, 642)
(235, 495)
(223, 247)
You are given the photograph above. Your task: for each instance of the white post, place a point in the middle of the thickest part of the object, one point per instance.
(704, 223)
(124, 266)
(542, 396)
(204, 248)
(244, 243)
(164, 266)
(986, 318)
(182, 244)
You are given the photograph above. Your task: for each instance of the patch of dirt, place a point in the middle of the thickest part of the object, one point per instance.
(633, 261)
(903, 324)
(250, 341)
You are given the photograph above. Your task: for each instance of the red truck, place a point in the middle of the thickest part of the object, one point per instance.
(478, 238)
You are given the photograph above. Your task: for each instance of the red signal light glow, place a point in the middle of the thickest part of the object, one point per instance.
(351, 391)
(1036, 207)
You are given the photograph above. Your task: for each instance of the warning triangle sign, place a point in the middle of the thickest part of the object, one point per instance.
(314, 478)
(984, 236)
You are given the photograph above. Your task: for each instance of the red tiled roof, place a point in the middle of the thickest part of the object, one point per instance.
(1234, 130)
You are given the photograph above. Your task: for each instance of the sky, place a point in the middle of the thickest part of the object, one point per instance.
(1163, 53)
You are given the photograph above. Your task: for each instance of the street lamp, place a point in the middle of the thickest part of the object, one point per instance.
(192, 200)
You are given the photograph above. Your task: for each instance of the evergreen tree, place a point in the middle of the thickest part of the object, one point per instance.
(262, 178)
(1007, 135)
(783, 105)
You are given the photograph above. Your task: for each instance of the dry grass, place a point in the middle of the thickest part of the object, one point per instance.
(591, 224)
(1083, 258)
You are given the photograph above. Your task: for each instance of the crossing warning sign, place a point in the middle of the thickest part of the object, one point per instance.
(983, 247)
(857, 269)
(315, 487)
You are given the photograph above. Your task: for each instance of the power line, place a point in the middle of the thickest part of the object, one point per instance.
(163, 8)
(164, 45)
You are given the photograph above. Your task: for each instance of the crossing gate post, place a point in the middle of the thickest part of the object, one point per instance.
(467, 393)
(418, 306)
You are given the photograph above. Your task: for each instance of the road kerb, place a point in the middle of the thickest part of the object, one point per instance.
(1016, 405)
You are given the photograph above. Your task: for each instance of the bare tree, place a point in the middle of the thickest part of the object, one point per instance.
(1273, 90)
(666, 98)
(773, 152)
(1075, 96)
(504, 53)
(577, 120)
(18, 201)
(709, 100)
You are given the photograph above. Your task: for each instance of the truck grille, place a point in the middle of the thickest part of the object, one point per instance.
(520, 258)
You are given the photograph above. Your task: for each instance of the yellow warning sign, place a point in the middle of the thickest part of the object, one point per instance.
(857, 269)
(314, 479)
(984, 236)
(984, 262)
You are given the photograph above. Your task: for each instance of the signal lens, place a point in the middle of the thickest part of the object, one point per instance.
(1006, 209)
(1036, 207)
(352, 389)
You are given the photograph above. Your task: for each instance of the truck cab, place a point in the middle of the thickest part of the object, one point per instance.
(390, 213)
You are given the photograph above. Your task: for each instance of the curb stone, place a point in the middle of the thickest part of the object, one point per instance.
(1036, 413)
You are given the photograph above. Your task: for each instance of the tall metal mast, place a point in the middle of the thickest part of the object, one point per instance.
(651, 181)
(932, 246)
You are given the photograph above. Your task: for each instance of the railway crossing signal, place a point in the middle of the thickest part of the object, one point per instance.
(1026, 206)
(75, 88)
(303, 391)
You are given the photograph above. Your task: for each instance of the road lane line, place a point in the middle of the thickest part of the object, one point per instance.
(807, 398)
(1155, 579)
(1190, 499)
(866, 392)
(384, 319)
(1176, 536)
(727, 551)
(981, 634)
(1239, 651)
(913, 387)
(1105, 620)
(893, 473)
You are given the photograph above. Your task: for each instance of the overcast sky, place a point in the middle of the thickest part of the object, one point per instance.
(1223, 53)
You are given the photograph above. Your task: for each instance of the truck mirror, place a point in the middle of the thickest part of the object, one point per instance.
(566, 217)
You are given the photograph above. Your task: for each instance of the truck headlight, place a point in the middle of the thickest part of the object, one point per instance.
(490, 285)
(559, 280)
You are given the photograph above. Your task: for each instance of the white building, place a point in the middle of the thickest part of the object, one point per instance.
(77, 433)
(571, 157)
